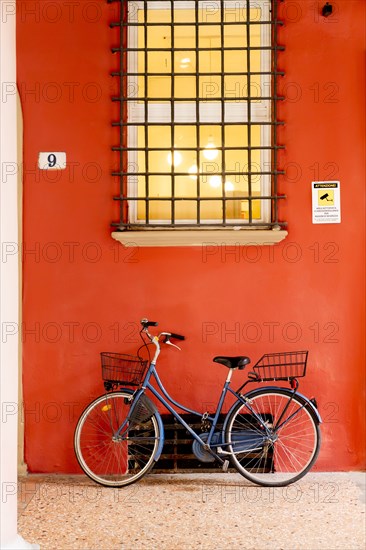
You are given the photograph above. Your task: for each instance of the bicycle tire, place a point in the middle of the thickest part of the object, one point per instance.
(107, 458)
(295, 445)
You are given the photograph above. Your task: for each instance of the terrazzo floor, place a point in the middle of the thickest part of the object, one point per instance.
(194, 511)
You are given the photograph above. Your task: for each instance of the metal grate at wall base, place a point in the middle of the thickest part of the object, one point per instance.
(177, 455)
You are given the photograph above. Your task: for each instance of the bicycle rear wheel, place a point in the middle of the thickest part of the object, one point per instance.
(111, 458)
(287, 451)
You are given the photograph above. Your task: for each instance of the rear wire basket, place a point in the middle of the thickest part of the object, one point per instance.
(281, 366)
(120, 368)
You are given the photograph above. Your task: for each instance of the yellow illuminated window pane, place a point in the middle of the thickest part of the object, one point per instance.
(235, 86)
(211, 210)
(210, 62)
(234, 208)
(255, 61)
(186, 186)
(159, 87)
(257, 89)
(244, 209)
(185, 136)
(159, 161)
(209, 37)
(186, 161)
(160, 210)
(159, 62)
(255, 35)
(255, 134)
(141, 205)
(159, 135)
(235, 36)
(186, 210)
(211, 184)
(159, 37)
(141, 137)
(184, 36)
(140, 165)
(237, 135)
(239, 209)
(184, 16)
(210, 135)
(235, 61)
(210, 87)
(210, 13)
(185, 62)
(157, 16)
(211, 171)
(160, 186)
(236, 160)
(185, 87)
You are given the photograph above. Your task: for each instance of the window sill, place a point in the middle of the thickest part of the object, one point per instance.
(220, 237)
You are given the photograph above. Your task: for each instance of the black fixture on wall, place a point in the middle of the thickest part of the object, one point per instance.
(327, 10)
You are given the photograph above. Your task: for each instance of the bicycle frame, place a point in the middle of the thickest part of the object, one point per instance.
(168, 401)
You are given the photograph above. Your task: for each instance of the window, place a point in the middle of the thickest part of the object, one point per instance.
(198, 125)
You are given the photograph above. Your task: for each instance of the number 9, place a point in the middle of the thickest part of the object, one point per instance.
(51, 160)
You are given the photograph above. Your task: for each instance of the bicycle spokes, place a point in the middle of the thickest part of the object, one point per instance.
(267, 454)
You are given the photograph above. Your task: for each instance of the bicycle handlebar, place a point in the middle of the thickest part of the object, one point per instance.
(177, 336)
(146, 323)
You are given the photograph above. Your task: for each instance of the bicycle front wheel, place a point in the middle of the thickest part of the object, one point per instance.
(275, 440)
(111, 456)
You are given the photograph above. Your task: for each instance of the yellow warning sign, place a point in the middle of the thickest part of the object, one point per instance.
(325, 197)
(326, 201)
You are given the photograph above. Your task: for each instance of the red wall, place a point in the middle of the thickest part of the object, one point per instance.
(84, 293)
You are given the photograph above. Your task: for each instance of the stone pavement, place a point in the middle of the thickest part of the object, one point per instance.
(194, 511)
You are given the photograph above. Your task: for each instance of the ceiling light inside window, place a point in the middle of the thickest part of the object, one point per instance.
(210, 152)
(193, 170)
(184, 63)
(215, 181)
(176, 160)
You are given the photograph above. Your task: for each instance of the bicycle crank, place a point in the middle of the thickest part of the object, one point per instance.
(201, 454)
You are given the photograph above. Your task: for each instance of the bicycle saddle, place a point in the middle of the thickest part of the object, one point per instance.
(232, 362)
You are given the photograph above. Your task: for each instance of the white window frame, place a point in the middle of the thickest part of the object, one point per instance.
(210, 112)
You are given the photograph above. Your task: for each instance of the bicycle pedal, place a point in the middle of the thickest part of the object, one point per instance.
(225, 466)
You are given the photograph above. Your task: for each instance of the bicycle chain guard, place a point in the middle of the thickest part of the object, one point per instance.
(199, 451)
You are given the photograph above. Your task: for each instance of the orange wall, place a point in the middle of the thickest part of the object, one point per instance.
(83, 293)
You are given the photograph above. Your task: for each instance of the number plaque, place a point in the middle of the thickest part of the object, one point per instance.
(52, 161)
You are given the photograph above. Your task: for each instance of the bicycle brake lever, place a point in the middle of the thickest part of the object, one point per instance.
(167, 341)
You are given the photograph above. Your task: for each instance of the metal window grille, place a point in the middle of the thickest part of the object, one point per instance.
(178, 61)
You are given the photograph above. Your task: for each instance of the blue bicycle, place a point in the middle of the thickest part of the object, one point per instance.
(270, 434)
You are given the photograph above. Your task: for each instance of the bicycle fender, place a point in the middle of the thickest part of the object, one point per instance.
(159, 420)
(254, 392)
(152, 407)
(161, 442)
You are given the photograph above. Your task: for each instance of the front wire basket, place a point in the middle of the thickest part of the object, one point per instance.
(123, 369)
(281, 366)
